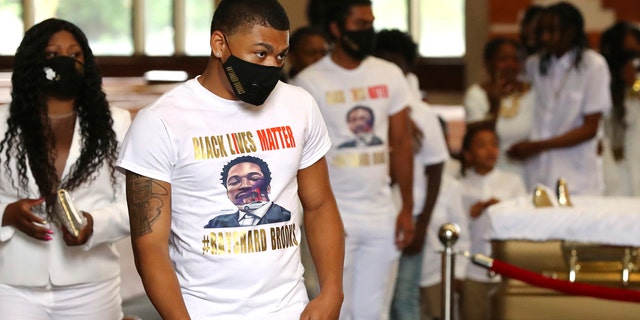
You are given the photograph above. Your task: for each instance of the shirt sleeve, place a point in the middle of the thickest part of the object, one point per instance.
(597, 93)
(414, 85)
(147, 149)
(317, 141)
(434, 146)
(303, 82)
(399, 92)
(476, 103)
(6, 232)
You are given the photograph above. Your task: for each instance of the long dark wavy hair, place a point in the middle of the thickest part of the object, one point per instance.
(569, 17)
(613, 50)
(29, 130)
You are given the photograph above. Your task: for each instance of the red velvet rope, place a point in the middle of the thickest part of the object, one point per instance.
(574, 288)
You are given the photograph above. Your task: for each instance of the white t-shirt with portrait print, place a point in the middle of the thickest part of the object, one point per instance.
(186, 138)
(359, 174)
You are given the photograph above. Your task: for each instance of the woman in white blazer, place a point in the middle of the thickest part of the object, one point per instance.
(59, 133)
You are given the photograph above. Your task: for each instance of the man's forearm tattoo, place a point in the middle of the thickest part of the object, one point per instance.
(144, 198)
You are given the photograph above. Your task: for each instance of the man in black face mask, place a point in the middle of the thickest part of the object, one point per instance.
(175, 153)
(359, 175)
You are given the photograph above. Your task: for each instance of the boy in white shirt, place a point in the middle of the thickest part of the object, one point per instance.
(483, 185)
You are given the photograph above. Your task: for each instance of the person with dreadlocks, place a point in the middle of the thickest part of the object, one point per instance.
(59, 133)
(571, 86)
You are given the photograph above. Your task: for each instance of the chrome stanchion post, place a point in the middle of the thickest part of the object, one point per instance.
(448, 235)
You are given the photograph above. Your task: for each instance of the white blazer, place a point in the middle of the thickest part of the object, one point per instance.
(25, 261)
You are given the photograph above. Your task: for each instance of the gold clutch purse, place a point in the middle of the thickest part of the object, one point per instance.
(66, 213)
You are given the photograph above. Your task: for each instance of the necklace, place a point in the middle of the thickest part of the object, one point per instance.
(514, 109)
(58, 116)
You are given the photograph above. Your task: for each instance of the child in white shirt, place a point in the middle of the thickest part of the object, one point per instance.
(483, 185)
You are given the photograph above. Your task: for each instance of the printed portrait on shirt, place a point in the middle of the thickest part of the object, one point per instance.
(248, 183)
(361, 120)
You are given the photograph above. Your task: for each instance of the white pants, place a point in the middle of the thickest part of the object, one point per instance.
(370, 269)
(96, 301)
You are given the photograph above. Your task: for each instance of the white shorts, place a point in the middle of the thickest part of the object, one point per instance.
(96, 301)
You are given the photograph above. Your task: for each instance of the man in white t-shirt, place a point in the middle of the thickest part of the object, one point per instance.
(360, 172)
(430, 154)
(233, 140)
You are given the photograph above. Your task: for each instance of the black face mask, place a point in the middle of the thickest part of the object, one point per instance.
(64, 77)
(251, 83)
(358, 44)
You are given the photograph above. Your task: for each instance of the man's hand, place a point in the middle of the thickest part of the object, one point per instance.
(417, 244)
(524, 150)
(324, 307)
(405, 229)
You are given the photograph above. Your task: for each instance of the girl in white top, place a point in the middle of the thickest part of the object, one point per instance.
(483, 185)
(59, 133)
(571, 84)
(631, 145)
(622, 155)
(503, 98)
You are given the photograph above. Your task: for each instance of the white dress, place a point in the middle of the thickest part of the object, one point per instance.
(622, 178)
(632, 144)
